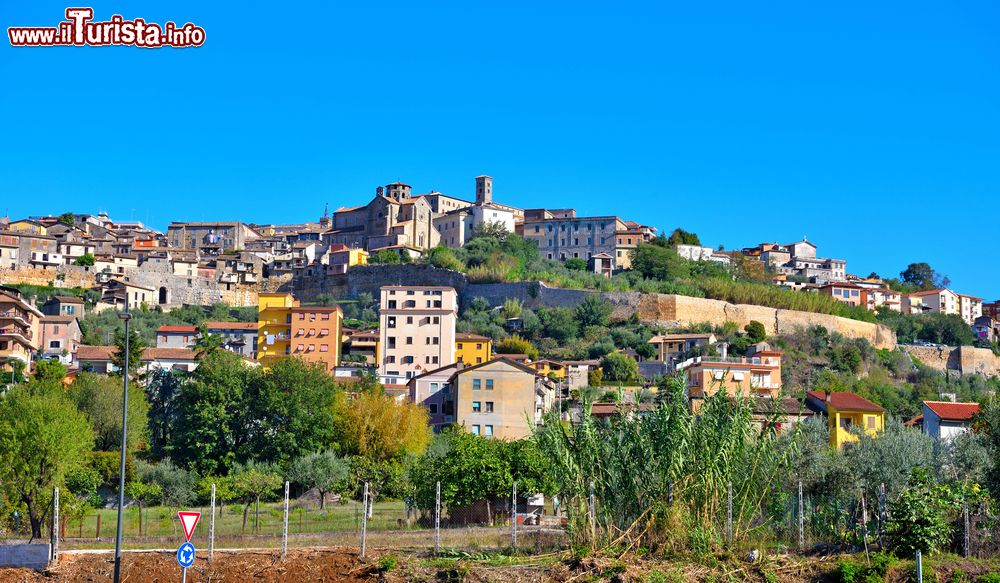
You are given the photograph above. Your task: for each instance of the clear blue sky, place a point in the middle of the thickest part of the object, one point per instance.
(871, 127)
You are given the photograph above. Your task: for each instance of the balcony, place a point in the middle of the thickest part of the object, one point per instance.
(229, 278)
(18, 316)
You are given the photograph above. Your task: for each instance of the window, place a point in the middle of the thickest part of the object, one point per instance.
(489, 384)
(479, 346)
(409, 319)
(479, 360)
(475, 430)
(391, 341)
(390, 359)
(324, 347)
(55, 344)
(489, 431)
(409, 339)
(870, 421)
(489, 406)
(391, 322)
(432, 408)
(476, 407)
(476, 384)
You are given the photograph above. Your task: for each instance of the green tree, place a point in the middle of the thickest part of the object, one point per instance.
(213, 427)
(491, 229)
(50, 370)
(135, 347)
(324, 471)
(42, 437)
(657, 262)
(162, 388)
(207, 342)
(85, 260)
(388, 256)
(177, 485)
(756, 331)
(575, 264)
(147, 493)
(67, 219)
(618, 367)
(380, 428)
(444, 258)
(682, 237)
(515, 345)
(559, 323)
(922, 276)
(100, 399)
(593, 311)
(251, 483)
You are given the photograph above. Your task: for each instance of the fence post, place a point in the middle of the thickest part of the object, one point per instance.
(729, 512)
(284, 526)
(881, 516)
(97, 535)
(802, 520)
(513, 517)
(593, 517)
(864, 522)
(965, 537)
(920, 568)
(55, 524)
(364, 519)
(437, 519)
(211, 526)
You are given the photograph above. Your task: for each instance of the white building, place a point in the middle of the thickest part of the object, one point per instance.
(416, 330)
(943, 420)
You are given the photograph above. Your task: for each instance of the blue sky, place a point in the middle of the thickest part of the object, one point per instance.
(871, 127)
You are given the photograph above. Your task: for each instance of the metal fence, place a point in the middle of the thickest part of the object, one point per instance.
(527, 525)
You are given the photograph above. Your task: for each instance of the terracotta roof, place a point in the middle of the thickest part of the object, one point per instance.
(467, 336)
(918, 420)
(949, 411)
(85, 352)
(663, 337)
(67, 299)
(500, 358)
(58, 319)
(231, 325)
(929, 292)
(104, 353)
(177, 329)
(845, 401)
(168, 354)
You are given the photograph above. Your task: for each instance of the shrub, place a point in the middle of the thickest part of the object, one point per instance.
(387, 563)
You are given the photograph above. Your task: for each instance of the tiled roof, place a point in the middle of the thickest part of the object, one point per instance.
(467, 336)
(845, 401)
(953, 411)
(177, 329)
(168, 354)
(667, 337)
(930, 292)
(85, 352)
(231, 325)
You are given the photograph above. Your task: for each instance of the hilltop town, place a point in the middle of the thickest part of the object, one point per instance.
(420, 317)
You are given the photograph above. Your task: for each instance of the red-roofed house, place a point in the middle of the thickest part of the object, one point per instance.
(847, 414)
(944, 420)
(176, 336)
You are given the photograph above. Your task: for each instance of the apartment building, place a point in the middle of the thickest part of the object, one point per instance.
(416, 330)
(61, 338)
(799, 259)
(568, 237)
(432, 389)
(938, 301)
(238, 337)
(456, 228)
(970, 308)
(472, 348)
(500, 398)
(176, 336)
(699, 253)
(315, 335)
(845, 292)
(670, 346)
(758, 375)
(286, 328)
(64, 306)
(20, 328)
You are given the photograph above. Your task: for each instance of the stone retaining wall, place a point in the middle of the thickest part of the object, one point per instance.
(25, 556)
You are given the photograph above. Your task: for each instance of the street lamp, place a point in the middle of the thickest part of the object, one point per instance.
(125, 317)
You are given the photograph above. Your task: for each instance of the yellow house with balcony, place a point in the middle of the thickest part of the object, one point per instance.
(274, 326)
(472, 349)
(847, 414)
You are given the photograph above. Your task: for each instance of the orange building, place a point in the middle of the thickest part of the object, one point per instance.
(758, 375)
(315, 335)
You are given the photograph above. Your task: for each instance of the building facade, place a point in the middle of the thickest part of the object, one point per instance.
(416, 330)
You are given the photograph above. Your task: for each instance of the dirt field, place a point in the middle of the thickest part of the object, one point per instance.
(327, 565)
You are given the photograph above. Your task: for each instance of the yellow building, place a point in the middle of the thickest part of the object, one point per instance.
(274, 326)
(27, 226)
(500, 399)
(472, 348)
(549, 368)
(847, 414)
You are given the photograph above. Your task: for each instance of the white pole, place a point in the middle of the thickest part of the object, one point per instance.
(513, 517)
(211, 527)
(364, 520)
(437, 520)
(55, 524)
(284, 527)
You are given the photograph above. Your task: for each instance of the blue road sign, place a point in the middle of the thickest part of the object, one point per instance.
(185, 555)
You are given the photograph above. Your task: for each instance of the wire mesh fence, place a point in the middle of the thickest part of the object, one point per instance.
(528, 524)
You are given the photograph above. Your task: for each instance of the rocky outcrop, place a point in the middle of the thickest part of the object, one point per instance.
(961, 359)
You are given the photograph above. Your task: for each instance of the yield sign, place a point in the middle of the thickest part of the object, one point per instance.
(188, 520)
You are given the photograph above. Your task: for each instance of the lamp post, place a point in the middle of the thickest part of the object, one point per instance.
(125, 317)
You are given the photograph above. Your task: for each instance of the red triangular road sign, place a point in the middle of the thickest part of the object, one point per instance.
(188, 520)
